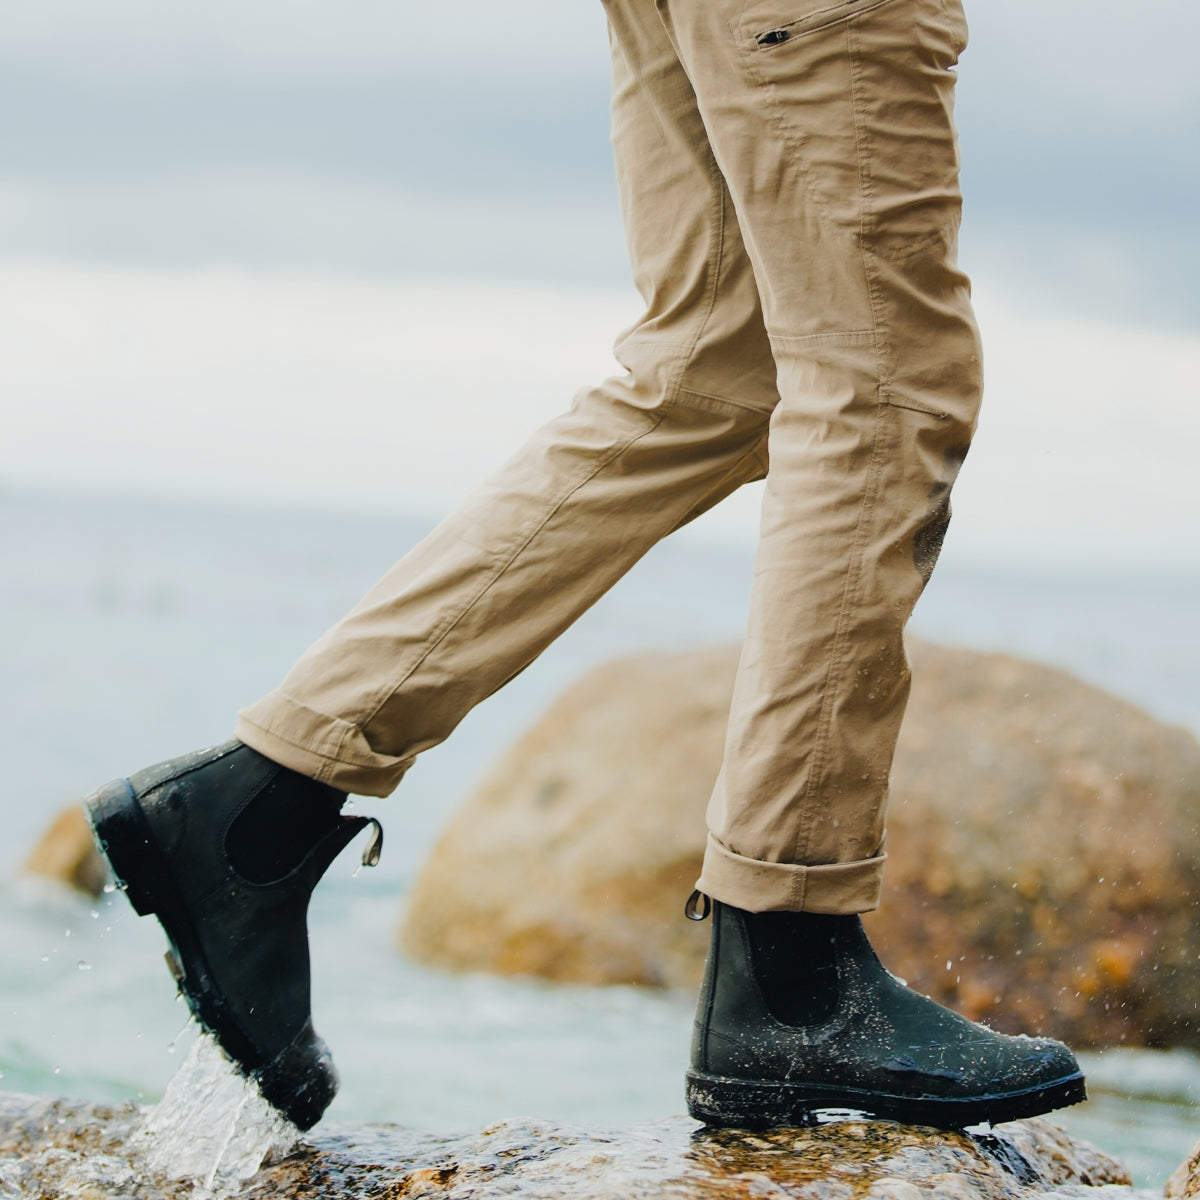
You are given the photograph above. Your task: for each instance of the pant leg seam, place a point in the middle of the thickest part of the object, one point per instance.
(715, 260)
(850, 593)
(837, 656)
(652, 340)
(866, 192)
(844, 337)
(689, 398)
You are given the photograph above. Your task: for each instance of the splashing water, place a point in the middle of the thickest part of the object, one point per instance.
(212, 1125)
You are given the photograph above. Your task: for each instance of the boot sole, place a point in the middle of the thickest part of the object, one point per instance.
(291, 1082)
(762, 1104)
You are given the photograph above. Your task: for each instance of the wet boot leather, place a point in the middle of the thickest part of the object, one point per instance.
(225, 847)
(858, 1039)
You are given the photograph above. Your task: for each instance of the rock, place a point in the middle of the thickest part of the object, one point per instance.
(64, 1148)
(1045, 872)
(1042, 871)
(573, 859)
(1185, 1179)
(68, 853)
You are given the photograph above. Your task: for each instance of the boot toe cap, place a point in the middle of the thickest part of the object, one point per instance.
(300, 1081)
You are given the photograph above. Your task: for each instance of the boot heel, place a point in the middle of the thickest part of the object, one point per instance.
(748, 1104)
(123, 837)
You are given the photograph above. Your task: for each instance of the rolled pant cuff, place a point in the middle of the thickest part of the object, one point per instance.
(318, 746)
(756, 886)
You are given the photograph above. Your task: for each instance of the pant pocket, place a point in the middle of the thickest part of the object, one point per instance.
(767, 25)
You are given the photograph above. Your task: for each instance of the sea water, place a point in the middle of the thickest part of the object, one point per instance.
(131, 632)
(212, 1124)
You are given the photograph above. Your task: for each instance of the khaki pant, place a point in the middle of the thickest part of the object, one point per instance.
(788, 174)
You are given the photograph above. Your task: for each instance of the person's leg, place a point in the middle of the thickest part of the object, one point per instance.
(832, 126)
(587, 496)
(225, 846)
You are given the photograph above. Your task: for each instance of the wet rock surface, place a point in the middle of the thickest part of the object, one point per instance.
(1042, 871)
(58, 1148)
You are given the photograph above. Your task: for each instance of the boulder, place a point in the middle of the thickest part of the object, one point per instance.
(1042, 875)
(1184, 1182)
(574, 857)
(68, 854)
(1045, 870)
(65, 1148)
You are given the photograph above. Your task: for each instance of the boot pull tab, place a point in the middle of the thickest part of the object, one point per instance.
(698, 907)
(370, 856)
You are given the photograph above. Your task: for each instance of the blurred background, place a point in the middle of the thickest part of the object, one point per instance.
(234, 236)
(280, 281)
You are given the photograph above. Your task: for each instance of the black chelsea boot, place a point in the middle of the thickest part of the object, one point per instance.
(224, 847)
(797, 1014)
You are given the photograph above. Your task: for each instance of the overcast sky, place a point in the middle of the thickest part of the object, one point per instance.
(400, 139)
(319, 253)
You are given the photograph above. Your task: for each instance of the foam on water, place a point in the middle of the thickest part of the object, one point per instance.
(212, 1125)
